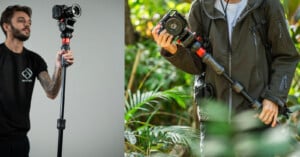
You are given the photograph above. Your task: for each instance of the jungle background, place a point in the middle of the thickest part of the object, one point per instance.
(159, 113)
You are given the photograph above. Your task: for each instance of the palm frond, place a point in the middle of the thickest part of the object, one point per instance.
(147, 100)
(178, 134)
(163, 138)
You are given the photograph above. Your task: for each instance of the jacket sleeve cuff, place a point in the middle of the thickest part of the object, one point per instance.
(268, 95)
(165, 53)
(168, 55)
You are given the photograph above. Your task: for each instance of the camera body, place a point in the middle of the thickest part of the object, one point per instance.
(64, 14)
(176, 25)
(173, 22)
(62, 11)
(65, 18)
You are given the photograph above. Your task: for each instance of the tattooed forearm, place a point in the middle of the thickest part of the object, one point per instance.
(51, 86)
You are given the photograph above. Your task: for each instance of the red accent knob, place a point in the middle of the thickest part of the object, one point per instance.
(201, 52)
(65, 40)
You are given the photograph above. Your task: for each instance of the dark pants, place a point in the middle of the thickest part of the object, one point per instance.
(15, 147)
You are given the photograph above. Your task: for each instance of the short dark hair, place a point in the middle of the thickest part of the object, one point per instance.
(8, 13)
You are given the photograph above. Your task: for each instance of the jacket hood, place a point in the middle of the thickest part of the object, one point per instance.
(213, 13)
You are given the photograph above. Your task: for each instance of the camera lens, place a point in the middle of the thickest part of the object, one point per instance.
(174, 26)
(76, 10)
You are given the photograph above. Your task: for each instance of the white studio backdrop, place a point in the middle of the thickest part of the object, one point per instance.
(94, 85)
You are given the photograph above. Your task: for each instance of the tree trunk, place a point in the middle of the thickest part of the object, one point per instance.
(130, 35)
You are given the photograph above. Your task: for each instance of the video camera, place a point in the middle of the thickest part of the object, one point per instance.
(64, 14)
(176, 25)
(63, 11)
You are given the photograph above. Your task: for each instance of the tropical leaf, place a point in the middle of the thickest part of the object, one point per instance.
(144, 101)
(290, 7)
(177, 134)
(144, 138)
(163, 138)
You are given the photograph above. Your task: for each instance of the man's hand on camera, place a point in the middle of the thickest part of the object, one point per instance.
(164, 39)
(67, 55)
(269, 113)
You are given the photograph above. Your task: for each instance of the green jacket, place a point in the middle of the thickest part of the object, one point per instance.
(245, 60)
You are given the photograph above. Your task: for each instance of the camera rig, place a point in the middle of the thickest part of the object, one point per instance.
(176, 25)
(65, 17)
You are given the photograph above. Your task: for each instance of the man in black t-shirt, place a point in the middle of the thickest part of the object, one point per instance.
(18, 69)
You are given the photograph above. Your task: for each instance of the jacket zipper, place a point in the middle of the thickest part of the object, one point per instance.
(229, 63)
(229, 73)
(230, 88)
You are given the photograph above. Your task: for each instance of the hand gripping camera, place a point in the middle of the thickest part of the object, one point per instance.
(176, 25)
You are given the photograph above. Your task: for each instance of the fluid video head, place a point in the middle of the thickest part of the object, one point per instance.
(63, 11)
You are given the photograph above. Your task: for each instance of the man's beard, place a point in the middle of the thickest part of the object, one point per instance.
(18, 35)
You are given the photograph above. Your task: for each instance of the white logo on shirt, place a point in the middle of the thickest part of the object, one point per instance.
(27, 74)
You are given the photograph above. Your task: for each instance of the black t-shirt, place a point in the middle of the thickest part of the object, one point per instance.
(17, 77)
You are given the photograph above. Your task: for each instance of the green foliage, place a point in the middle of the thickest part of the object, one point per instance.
(140, 101)
(153, 70)
(146, 13)
(149, 107)
(290, 7)
(158, 119)
(245, 135)
(143, 138)
(151, 140)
